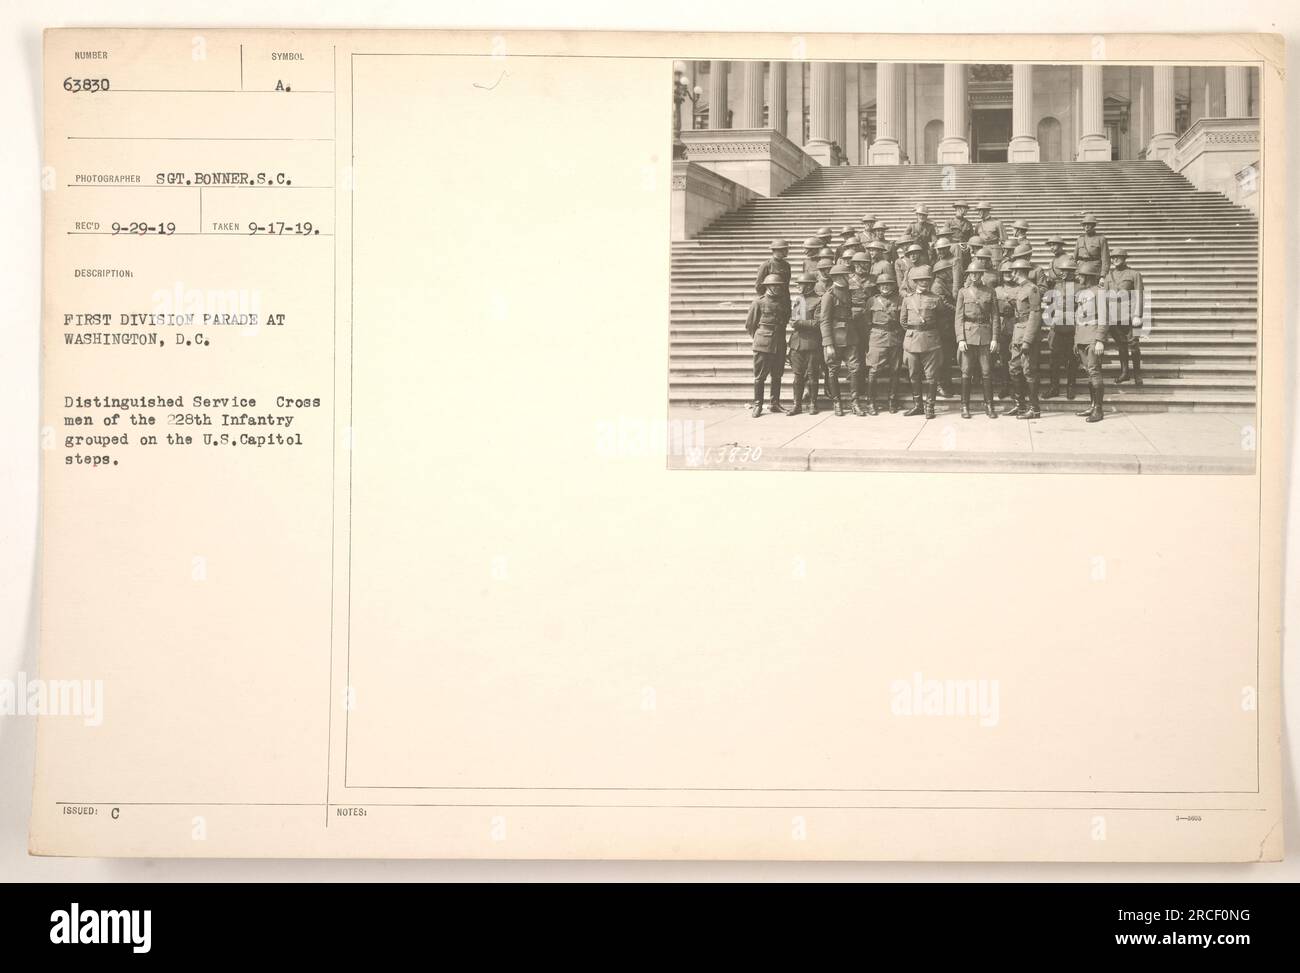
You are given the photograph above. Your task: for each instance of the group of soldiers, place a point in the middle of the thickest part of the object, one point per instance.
(962, 296)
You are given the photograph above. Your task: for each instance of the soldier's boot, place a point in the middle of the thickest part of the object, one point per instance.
(1018, 404)
(893, 391)
(857, 394)
(1053, 379)
(930, 391)
(1137, 364)
(917, 409)
(797, 408)
(774, 406)
(1071, 370)
(1092, 400)
(1031, 412)
(1123, 375)
(756, 408)
(965, 397)
(989, 410)
(1097, 397)
(871, 394)
(833, 389)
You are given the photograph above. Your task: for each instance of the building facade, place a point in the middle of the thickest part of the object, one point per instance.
(895, 113)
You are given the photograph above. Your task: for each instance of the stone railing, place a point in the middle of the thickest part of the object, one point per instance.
(700, 196)
(1215, 152)
(760, 159)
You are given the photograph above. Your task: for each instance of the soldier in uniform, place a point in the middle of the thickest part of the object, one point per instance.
(861, 286)
(1025, 251)
(826, 235)
(957, 228)
(920, 318)
(1057, 246)
(766, 325)
(885, 345)
(878, 231)
(778, 265)
(1124, 290)
(879, 263)
(1058, 308)
(805, 342)
(946, 282)
(1090, 327)
(1028, 317)
(991, 232)
(844, 250)
(1091, 249)
(921, 230)
(1019, 233)
(811, 248)
(976, 324)
(868, 222)
(903, 263)
(839, 344)
(1004, 292)
(824, 266)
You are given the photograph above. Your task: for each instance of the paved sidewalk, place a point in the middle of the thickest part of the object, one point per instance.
(728, 437)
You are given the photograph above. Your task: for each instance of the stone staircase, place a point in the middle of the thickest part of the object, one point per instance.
(1197, 252)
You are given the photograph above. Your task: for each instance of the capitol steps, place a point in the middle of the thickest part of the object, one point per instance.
(1197, 251)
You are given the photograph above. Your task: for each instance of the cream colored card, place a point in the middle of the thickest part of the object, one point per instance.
(370, 526)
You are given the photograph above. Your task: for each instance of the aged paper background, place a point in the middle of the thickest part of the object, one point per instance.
(510, 593)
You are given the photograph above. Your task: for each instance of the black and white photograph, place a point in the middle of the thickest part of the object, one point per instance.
(947, 266)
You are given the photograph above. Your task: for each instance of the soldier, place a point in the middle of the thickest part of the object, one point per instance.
(902, 264)
(811, 248)
(861, 286)
(1019, 233)
(839, 344)
(1091, 249)
(885, 345)
(844, 250)
(991, 232)
(1124, 291)
(805, 342)
(976, 323)
(878, 232)
(778, 265)
(913, 257)
(1028, 317)
(868, 222)
(921, 230)
(1058, 308)
(1042, 278)
(920, 319)
(1090, 327)
(824, 266)
(957, 228)
(1004, 292)
(946, 282)
(826, 235)
(766, 325)
(1057, 246)
(879, 263)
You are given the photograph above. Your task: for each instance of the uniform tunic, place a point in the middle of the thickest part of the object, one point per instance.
(886, 347)
(766, 326)
(921, 319)
(1090, 326)
(805, 336)
(1028, 317)
(976, 316)
(1124, 290)
(1093, 254)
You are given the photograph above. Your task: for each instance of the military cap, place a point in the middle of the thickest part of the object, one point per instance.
(779, 244)
(808, 278)
(1022, 249)
(885, 279)
(1021, 264)
(1065, 262)
(825, 264)
(1055, 239)
(943, 243)
(880, 226)
(1119, 252)
(813, 243)
(869, 219)
(905, 241)
(847, 231)
(1087, 218)
(1004, 267)
(861, 258)
(975, 241)
(839, 270)
(826, 253)
(916, 248)
(922, 210)
(985, 252)
(771, 279)
(978, 266)
(919, 273)
(961, 205)
(1019, 225)
(982, 205)
(825, 231)
(874, 244)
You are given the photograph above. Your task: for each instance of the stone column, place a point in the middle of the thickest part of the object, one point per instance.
(1163, 135)
(819, 113)
(1236, 87)
(718, 94)
(1094, 145)
(885, 149)
(751, 95)
(837, 105)
(953, 147)
(776, 100)
(852, 122)
(1024, 131)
